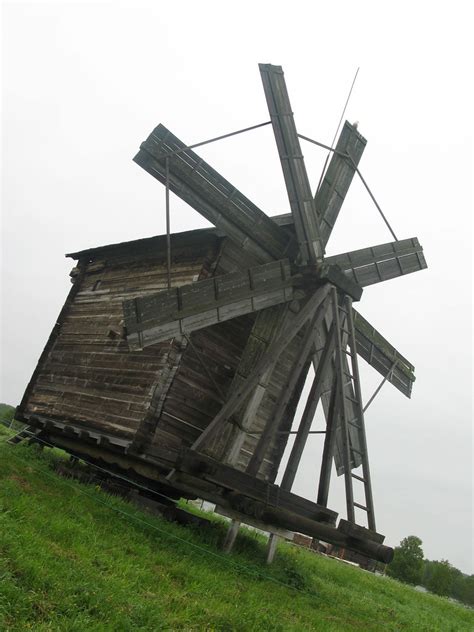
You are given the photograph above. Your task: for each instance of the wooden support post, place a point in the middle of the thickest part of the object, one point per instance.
(308, 414)
(231, 536)
(328, 450)
(272, 547)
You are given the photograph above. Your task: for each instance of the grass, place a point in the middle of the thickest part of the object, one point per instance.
(74, 558)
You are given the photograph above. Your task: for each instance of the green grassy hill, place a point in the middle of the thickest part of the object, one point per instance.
(74, 558)
(6, 412)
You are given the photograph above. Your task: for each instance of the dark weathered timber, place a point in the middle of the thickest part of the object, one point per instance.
(331, 414)
(151, 319)
(273, 424)
(357, 531)
(308, 413)
(233, 480)
(337, 179)
(381, 263)
(292, 162)
(198, 184)
(239, 396)
(147, 427)
(329, 384)
(296, 522)
(223, 441)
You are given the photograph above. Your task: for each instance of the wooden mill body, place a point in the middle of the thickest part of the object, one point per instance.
(159, 399)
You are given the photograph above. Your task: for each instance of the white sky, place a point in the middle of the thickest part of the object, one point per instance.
(85, 83)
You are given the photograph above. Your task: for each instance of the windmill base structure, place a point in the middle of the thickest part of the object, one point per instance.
(180, 360)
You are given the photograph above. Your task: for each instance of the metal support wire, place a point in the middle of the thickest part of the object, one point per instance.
(372, 196)
(349, 157)
(377, 390)
(211, 140)
(337, 130)
(135, 518)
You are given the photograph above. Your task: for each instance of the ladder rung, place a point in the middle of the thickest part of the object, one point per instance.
(360, 507)
(346, 331)
(359, 478)
(349, 353)
(357, 451)
(349, 374)
(352, 399)
(351, 423)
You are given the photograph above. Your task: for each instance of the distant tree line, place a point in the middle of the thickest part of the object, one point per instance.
(439, 577)
(7, 418)
(7, 413)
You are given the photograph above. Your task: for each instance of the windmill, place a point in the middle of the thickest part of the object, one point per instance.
(296, 296)
(178, 361)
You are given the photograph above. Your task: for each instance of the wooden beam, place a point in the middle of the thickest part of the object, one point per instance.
(353, 539)
(203, 188)
(181, 310)
(381, 263)
(233, 482)
(147, 426)
(329, 382)
(286, 395)
(292, 162)
(227, 440)
(238, 396)
(337, 179)
(328, 449)
(308, 413)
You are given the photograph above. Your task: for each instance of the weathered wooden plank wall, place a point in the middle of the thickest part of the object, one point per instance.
(89, 376)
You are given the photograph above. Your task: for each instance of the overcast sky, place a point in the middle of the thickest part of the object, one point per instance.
(85, 83)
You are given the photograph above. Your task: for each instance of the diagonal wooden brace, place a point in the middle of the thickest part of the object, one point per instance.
(238, 397)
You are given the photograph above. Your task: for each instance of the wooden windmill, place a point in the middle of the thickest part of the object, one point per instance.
(181, 359)
(294, 289)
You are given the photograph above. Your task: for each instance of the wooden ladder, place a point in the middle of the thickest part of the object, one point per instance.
(350, 399)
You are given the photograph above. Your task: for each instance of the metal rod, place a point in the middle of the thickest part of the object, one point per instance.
(168, 228)
(337, 130)
(283, 432)
(372, 197)
(316, 142)
(211, 140)
(347, 155)
(376, 392)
